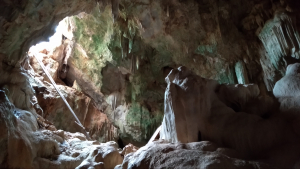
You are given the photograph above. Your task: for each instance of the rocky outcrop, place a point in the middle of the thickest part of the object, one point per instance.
(23, 145)
(133, 50)
(205, 154)
(133, 45)
(130, 148)
(26, 23)
(55, 110)
(195, 111)
(117, 54)
(287, 89)
(281, 41)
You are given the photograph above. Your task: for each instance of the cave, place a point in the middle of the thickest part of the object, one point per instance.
(110, 84)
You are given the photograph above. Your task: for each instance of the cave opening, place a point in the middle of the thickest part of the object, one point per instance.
(58, 48)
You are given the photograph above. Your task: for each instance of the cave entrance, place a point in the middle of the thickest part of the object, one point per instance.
(55, 53)
(74, 57)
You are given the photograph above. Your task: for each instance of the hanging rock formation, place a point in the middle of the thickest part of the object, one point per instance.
(241, 73)
(281, 41)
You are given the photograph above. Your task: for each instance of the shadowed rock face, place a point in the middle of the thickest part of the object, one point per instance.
(205, 154)
(287, 92)
(55, 110)
(116, 58)
(24, 145)
(130, 45)
(195, 106)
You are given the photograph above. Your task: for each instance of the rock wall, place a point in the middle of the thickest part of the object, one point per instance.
(26, 23)
(23, 145)
(135, 51)
(281, 41)
(54, 108)
(233, 116)
(118, 54)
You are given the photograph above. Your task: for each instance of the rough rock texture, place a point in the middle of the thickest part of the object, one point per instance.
(281, 41)
(205, 154)
(194, 111)
(24, 23)
(120, 58)
(287, 90)
(24, 146)
(119, 52)
(55, 110)
(130, 148)
(140, 42)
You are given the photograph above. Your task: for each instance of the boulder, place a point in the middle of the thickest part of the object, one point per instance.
(206, 155)
(288, 86)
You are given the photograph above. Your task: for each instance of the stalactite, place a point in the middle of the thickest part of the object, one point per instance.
(280, 39)
(241, 73)
(133, 64)
(115, 9)
(121, 44)
(168, 14)
(137, 63)
(124, 46)
(130, 45)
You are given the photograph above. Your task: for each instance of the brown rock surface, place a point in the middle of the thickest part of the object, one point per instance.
(130, 148)
(122, 49)
(55, 110)
(162, 154)
(193, 112)
(24, 146)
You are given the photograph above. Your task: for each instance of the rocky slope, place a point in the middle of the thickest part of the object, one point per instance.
(24, 145)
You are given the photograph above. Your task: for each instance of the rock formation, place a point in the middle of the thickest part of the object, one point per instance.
(23, 145)
(205, 154)
(198, 109)
(55, 110)
(287, 89)
(224, 63)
